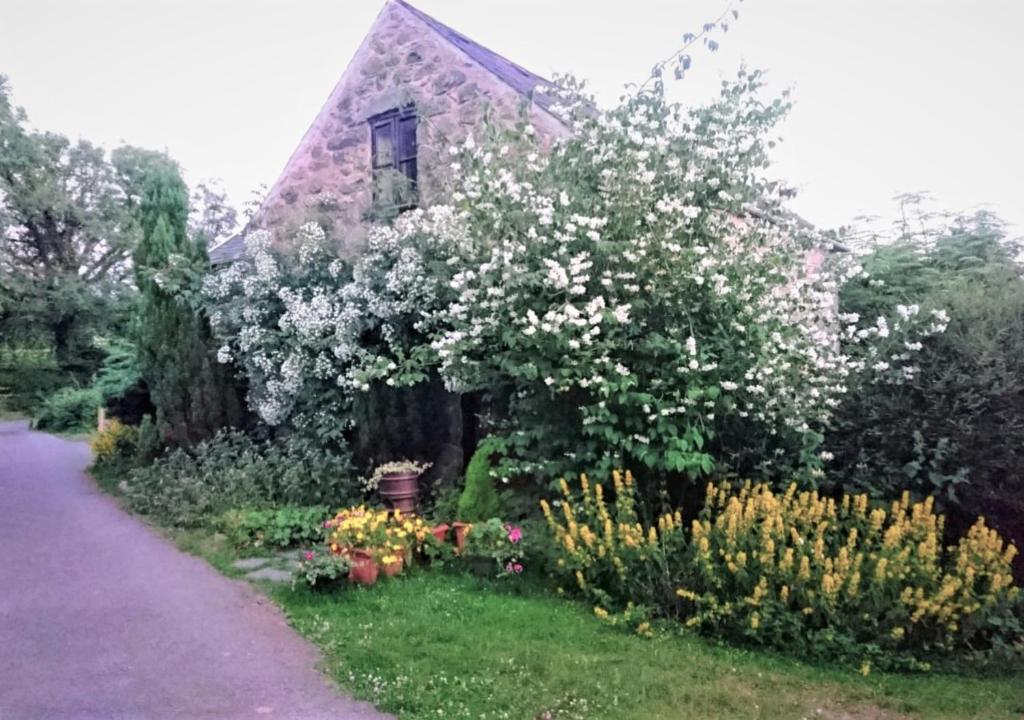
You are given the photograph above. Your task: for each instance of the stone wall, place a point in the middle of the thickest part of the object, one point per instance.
(402, 60)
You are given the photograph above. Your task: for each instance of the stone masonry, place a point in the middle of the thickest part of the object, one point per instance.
(404, 59)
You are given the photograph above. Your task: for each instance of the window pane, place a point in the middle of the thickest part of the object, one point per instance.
(407, 138)
(383, 145)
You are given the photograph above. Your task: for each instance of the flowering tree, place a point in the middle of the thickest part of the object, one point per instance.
(636, 290)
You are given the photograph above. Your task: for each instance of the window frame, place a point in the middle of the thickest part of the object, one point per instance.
(394, 124)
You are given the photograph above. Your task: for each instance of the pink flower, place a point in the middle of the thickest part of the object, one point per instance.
(515, 534)
(517, 567)
(309, 554)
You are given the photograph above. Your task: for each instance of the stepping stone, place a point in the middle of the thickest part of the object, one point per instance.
(250, 563)
(269, 574)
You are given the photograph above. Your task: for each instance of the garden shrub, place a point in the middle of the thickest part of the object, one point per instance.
(798, 571)
(28, 374)
(69, 410)
(116, 443)
(281, 527)
(188, 487)
(955, 427)
(479, 500)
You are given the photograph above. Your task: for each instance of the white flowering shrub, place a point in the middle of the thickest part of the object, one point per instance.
(636, 291)
(278, 316)
(640, 291)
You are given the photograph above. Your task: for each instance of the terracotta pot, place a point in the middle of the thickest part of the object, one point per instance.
(364, 568)
(401, 491)
(440, 531)
(392, 569)
(461, 530)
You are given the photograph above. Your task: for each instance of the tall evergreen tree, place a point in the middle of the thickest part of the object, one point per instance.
(193, 394)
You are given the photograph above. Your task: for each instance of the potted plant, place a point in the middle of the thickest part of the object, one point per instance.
(364, 568)
(322, 571)
(392, 563)
(461, 530)
(492, 548)
(440, 532)
(398, 483)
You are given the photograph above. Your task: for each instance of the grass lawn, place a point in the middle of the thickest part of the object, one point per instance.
(448, 646)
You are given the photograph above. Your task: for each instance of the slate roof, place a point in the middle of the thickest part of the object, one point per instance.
(515, 76)
(528, 84)
(229, 250)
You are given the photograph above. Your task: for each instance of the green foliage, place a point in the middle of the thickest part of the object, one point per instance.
(69, 410)
(28, 374)
(119, 372)
(497, 544)
(799, 572)
(475, 649)
(149, 445)
(479, 499)
(280, 527)
(194, 395)
(322, 570)
(955, 427)
(67, 227)
(188, 487)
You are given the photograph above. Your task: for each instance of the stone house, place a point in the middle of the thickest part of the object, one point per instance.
(414, 87)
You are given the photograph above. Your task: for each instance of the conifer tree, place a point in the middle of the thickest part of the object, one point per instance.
(193, 394)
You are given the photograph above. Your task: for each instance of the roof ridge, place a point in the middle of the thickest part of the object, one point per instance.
(511, 73)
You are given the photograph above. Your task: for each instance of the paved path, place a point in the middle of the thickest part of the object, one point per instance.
(100, 618)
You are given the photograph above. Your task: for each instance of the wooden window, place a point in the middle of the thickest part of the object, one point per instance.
(393, 148)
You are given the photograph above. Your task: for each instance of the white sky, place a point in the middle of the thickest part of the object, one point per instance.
(891, 95)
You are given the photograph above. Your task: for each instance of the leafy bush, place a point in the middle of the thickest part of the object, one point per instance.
(798, 571)
(955, 427)
(116, 443)
(479, 500)
(69, 410)
(281, 527)
(28, 374)
(188, 487)
(322, 570)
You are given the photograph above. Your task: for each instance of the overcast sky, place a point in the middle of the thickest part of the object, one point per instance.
(891, 95)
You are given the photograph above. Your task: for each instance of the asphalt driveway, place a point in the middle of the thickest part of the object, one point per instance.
(102, 618)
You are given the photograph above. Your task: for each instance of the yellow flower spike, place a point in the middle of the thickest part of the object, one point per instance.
(805, 568)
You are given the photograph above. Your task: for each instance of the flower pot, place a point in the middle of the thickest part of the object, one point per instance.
(461, 530)
(440, 531)
(364, 568)
(392, 569)
(401, 491)
(482, 566)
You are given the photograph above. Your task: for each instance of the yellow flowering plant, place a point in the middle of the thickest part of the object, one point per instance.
(797, 570)
(390, 536)
(115, 441)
